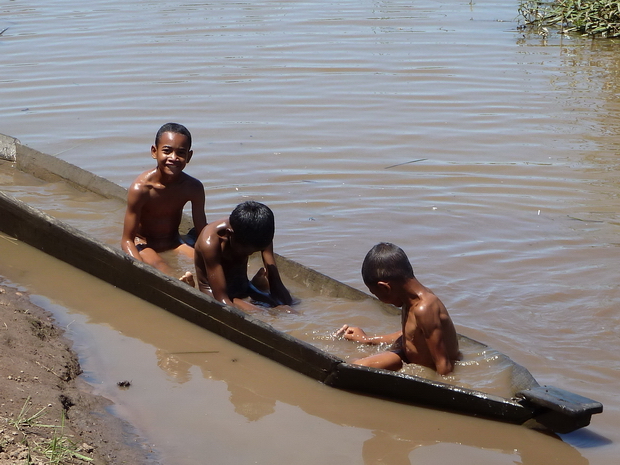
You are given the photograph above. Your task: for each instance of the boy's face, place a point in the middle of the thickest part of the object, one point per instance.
(172, 153)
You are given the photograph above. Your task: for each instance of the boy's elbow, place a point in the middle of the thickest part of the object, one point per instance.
(443, 371)
(444, 367)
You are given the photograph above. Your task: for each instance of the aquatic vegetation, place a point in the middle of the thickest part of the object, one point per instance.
(589, 17)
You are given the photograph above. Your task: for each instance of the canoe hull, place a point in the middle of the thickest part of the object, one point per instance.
(559, 410)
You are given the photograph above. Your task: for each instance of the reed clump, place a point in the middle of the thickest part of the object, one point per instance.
(589, 17)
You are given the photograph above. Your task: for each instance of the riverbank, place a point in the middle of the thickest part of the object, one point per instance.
(47, 413)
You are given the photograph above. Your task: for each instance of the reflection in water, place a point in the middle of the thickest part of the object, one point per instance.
(246, 402)
(174, 367)
(394, 434)
(251, 405)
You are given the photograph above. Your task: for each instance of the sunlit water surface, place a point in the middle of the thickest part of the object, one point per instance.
(488, 154)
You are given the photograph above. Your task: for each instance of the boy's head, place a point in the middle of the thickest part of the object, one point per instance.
(387, 263)
(174, 128)
(172, 148)
(253, 225)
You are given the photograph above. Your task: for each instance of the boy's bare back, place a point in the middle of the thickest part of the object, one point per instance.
(429, 335)
(221, 272)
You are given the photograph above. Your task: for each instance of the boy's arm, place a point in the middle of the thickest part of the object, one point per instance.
(276, 287)
(135, 201)
(430, 324)
(211, 256)
(199, 216)
(353, 333)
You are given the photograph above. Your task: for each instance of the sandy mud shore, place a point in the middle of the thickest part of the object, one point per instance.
(47, 413)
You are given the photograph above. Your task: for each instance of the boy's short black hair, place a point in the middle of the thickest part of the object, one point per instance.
(386, 262)
(253, 224)
(174, 128)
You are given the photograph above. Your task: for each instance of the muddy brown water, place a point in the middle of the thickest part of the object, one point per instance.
(488, 154)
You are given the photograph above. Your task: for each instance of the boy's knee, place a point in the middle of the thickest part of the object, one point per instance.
(153, 258)
(386, 361)
(260, 280)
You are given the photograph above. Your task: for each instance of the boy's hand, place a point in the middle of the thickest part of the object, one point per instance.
(281, 294)
(286, 309)
(352, 333)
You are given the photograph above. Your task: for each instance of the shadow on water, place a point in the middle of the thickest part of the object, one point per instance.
(585, 438)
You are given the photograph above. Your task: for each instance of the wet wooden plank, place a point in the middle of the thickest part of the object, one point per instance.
(563, 401)
(421, 391)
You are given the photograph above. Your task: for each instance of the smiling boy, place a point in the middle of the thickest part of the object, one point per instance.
(156, 199)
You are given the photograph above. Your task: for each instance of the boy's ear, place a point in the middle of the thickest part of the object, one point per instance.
(189, 156)
(153, 151)
(384, 290)
(384, 286)
(225, 234)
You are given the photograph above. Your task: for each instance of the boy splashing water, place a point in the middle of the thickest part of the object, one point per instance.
(427, 335)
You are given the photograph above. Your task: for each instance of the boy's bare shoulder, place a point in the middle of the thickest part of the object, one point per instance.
(143, 180)
(140, 188)
(212, 231)
(428, 303)
(188, 184)
(194, 182)
(184, 175)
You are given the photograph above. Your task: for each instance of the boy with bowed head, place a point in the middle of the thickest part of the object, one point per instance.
(427, 335)
(221, 258)
(156, 199)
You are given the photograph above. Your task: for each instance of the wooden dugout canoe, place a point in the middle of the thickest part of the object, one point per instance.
(556, 409)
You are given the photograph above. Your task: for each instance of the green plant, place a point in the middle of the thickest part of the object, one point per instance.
(60, 448)
(57, 450)
(24, 419)
(590, 17)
